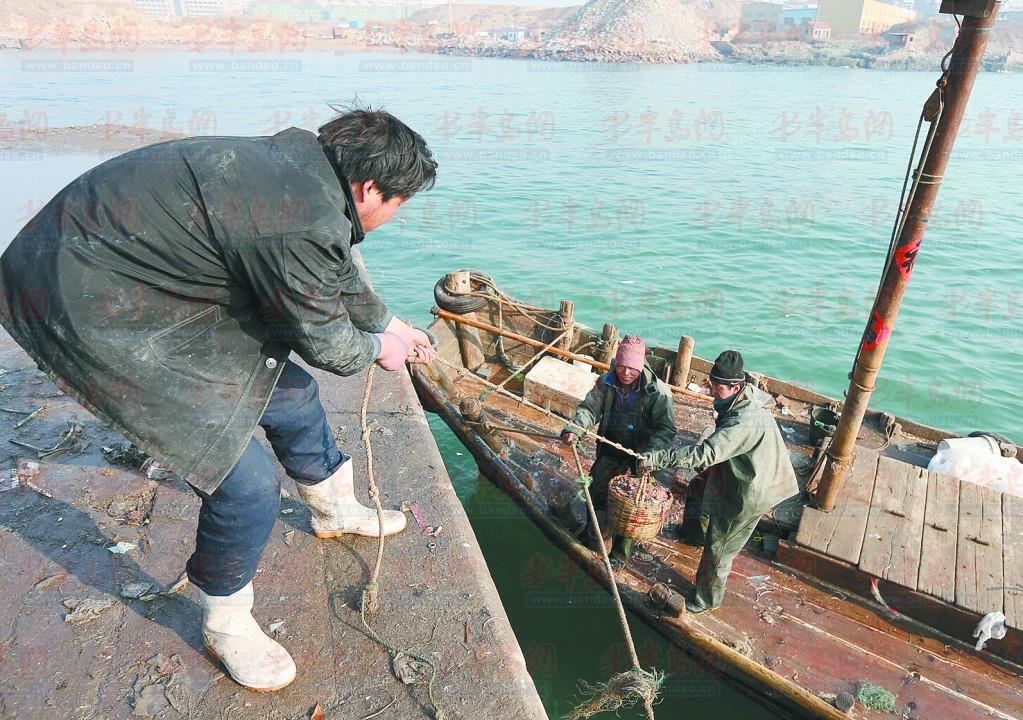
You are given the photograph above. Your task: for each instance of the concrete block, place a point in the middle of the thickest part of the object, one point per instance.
(560, 384)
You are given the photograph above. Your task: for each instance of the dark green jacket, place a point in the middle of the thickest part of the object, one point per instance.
(754, 472)
(165, 288)
(655, 428)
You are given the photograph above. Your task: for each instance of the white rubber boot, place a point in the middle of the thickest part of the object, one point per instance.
(337, 512)
(232, 636)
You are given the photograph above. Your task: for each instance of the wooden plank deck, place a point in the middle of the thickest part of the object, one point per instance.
(1012, 549)
(940, 532)
(840, 532)
(955, 541)
(893, 540)
(979, 549)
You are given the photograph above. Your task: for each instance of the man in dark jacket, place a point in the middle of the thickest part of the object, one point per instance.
(165, 289)
(752, 474)
(628, 405)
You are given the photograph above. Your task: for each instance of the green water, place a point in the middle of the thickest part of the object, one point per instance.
(749, 208)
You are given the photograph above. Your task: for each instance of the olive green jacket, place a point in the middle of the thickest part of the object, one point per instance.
(752, 469)
(655, 426)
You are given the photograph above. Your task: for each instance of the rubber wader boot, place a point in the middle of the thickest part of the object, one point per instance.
(694, 521)
(591, 538)
(232, 636)
(336, 511)
(623, 549)
(568, 511)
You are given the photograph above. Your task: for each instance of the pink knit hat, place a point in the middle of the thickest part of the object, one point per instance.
(631, 353)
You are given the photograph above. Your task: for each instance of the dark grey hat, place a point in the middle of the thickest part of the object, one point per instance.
(727, 368)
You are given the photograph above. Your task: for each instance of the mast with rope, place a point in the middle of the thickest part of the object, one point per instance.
(944, 113)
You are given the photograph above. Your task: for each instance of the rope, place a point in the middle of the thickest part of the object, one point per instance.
(648, 698)
(369, 596)
(501, 354)
(521, 400)
(370, 603)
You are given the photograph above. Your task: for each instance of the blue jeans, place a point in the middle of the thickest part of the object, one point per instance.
(236, 520)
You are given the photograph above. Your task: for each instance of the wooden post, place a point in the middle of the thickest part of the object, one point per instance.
(567, 313)
(952, 95)
(610, 341)
(683, 361)
(459, 283)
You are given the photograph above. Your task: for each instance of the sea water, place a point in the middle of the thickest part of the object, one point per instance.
(749, 207)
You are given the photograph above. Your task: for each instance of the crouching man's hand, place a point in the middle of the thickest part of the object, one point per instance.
(393, 351)
(417, 341)
(650, 461)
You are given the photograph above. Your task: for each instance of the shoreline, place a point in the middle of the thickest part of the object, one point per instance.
(743, 55)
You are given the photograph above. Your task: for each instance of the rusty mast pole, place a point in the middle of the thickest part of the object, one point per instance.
(955, 86)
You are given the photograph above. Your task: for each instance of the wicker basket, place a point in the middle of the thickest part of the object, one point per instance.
(637, 510)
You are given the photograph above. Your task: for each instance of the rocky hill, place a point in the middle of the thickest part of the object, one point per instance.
(640, 30)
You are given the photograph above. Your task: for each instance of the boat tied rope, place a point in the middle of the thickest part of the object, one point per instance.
(370, 595)
(522, 401)
(635, 685)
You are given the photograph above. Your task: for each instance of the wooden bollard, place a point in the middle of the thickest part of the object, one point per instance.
(567, 313)
(610, 340)
(683, 361)
(469, 343)
(664, 598)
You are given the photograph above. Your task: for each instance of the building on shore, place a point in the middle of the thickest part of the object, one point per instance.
(862, 17)
(794, 21)
(161, 8)
(794, 17)
(901, 41)
(513, 34)
(760, 18)
(816, 31)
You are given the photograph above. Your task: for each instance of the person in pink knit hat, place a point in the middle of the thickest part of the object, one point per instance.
(630, 406)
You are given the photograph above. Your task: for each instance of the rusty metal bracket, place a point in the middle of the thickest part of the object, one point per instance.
(973, 8)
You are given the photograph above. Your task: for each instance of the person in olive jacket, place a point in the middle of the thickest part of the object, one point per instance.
(753, 473)
(628, 405)
(165, 289)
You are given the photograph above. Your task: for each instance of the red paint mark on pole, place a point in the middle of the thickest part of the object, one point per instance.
(905, 257)
(877, 333)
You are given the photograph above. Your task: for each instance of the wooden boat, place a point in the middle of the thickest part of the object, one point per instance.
(801, 624)
(879, 583)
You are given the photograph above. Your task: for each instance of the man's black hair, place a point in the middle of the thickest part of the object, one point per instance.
(367, 144)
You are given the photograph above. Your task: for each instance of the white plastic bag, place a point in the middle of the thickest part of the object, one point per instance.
(976, 460)
(990, 627)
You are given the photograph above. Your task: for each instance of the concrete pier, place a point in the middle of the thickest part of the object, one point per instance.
(89, 633)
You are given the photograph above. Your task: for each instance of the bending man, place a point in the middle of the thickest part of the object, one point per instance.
(751, 473)
(165, 289)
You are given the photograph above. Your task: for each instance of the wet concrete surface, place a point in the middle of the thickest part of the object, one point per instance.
(73, 646)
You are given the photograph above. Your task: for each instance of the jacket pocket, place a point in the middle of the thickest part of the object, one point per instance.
(170, 340)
